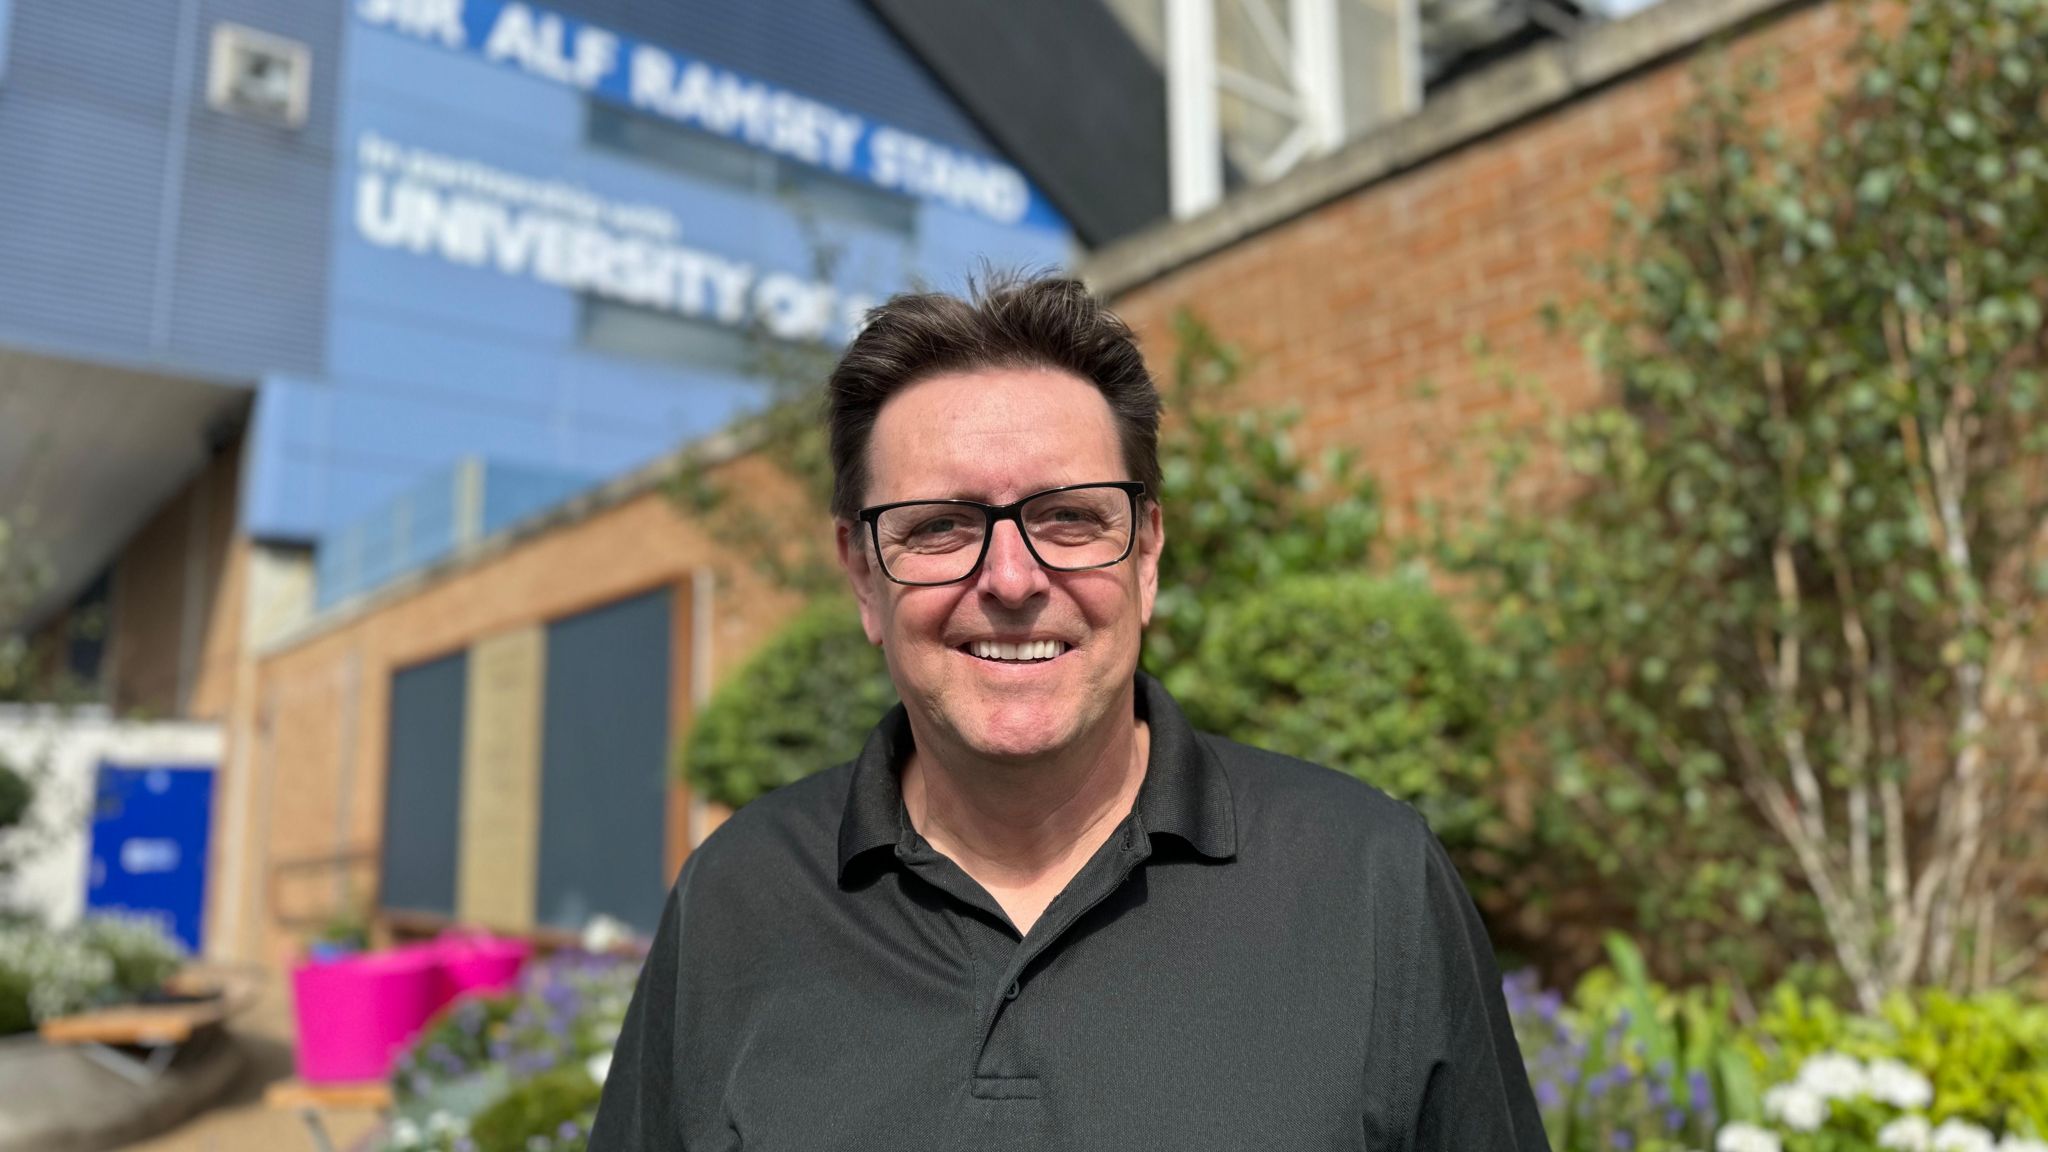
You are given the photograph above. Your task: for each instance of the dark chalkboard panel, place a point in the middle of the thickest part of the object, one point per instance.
(423, 793)
(604, 765)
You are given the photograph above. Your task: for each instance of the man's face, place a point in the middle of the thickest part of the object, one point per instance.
(997, 436)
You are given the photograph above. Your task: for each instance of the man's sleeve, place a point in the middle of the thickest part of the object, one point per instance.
(1477, 1093)
(641, 1110)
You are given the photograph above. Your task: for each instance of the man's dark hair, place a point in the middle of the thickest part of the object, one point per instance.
(1007, 322)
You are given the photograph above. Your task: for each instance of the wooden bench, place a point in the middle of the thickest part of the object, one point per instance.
(312, 1101)
(106, 1035)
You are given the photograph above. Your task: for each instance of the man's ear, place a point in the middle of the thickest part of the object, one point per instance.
(1151, 542)
(858, 562)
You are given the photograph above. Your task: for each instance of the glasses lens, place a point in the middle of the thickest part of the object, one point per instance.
(1081, 528)
(930, 543)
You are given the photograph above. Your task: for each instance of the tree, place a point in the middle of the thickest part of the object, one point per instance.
(1796, 585)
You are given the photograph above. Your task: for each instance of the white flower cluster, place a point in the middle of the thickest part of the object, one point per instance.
(1916, 1134)
(134, 936)
(1803, 1105)
(63, 974)
(441, 1130)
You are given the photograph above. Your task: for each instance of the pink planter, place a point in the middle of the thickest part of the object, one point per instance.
(357, 1014)
(481, 964)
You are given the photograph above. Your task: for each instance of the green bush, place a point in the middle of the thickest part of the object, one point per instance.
(1368, 675)
(143, 955)
(45, 974)
(1986, 1054)
(1241, 505)
(554, 1110)
(804, 702)
(16, 794)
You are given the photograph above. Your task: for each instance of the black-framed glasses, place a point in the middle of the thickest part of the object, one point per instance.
(925, 543)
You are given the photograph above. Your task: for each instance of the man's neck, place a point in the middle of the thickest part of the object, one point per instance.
(1022, 830)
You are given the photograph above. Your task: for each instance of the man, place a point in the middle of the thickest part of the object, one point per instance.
(1040, 911)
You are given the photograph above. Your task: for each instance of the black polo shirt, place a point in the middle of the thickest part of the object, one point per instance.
(1264, 955)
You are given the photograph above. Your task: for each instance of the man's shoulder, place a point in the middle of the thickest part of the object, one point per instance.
(1303, 798)
(798, 821)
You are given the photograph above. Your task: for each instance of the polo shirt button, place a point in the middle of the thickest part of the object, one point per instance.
(1011, 992)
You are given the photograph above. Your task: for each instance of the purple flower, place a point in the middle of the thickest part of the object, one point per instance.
(1673, 1120)
(568, 1131)
(1597, 1086)
(1701, 1091)
(1547, 1094)
(1623, 1141)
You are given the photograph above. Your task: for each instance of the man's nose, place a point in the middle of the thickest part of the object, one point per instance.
(1010, 573)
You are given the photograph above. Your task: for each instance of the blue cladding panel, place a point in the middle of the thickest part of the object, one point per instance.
(423, 792)
(604, 765)
(6, 26)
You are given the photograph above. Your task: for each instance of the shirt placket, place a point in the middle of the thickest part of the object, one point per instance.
(998, 1073)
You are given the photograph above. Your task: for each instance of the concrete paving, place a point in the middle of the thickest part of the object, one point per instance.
(56, 1098)
(240, 1122)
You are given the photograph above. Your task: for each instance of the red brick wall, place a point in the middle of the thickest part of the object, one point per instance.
(1364, 312)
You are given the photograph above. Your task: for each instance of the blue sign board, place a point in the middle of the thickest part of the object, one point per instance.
(149, 845)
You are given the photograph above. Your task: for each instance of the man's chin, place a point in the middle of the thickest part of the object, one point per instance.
(1020, 733)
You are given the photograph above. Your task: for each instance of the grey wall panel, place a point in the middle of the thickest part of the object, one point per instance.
(423, 791)
(251, 264)
(604, 765)
(137, 222)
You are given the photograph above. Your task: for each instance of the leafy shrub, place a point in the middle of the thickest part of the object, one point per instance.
(1625, 1063)
(1367, 675)
(45, 974)
(804, 702)
(1760, 642)
(142, 953)
(102, 960)
(16, 794)
(1985, 1054)
(1242, 507)
(549, 1113)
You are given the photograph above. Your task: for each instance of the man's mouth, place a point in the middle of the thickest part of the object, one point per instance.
(1025, 652)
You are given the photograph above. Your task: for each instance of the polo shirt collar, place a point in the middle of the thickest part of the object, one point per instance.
(1185, 793)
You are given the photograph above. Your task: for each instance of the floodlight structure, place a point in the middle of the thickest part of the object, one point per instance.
(1266, 84)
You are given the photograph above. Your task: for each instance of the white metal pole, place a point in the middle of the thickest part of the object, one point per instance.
(1195, 144)
(1408, 30)
(1318, 70)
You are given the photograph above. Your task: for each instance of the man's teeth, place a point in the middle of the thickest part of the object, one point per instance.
(1031, 650)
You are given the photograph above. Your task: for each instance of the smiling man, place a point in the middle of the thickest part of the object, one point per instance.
(1040, 910)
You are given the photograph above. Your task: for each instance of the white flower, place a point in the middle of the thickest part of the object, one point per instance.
(1747, 1138)
(2022, 1144)
(1962, 1136)
(605, 933)
(599, 1066)
(1899, 1085)
(1800, 1108)
(404, 1133)
(1834, 1076)
(1906, 1134)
